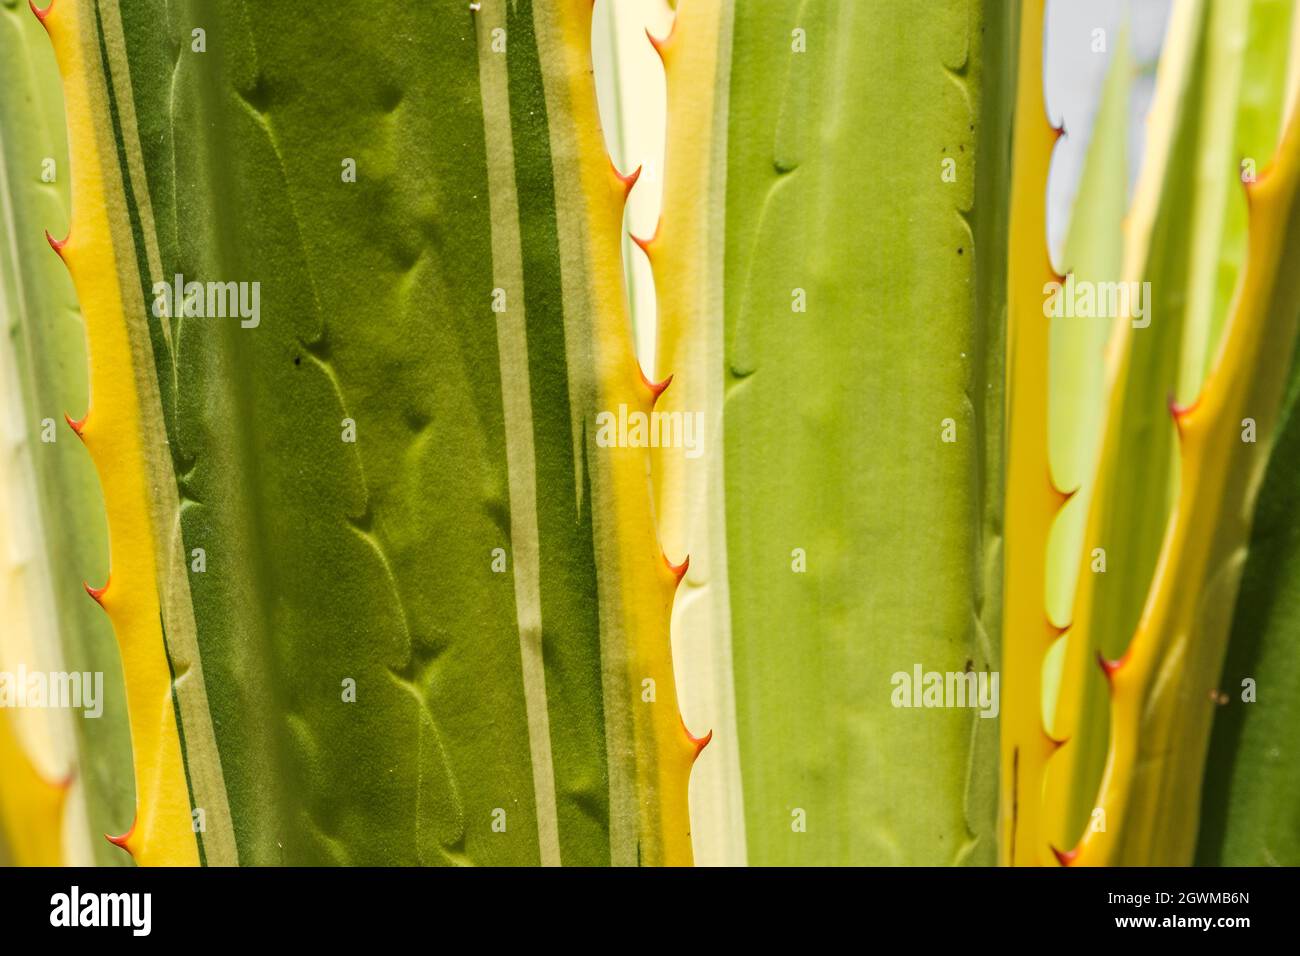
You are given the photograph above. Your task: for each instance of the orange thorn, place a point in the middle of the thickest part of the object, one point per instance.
(659, 43)
(656, 388)
(678, 570)
(1062, 497)
(628, 181)
(40, 14)
(645, 244)
(97, 593)
(1109, 667)
(1057, 630)
(56, 244)
(1180, 412)
(1066, 857)
(76, 424)
(120, 841)
(699, 742)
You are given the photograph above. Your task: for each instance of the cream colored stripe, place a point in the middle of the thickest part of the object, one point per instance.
(701, 631)
(512, 347)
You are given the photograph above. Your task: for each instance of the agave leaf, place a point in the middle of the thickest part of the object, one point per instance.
(53, 531)
(638, 580)
(1249, 815)
(833, 139)
(500, 714)
(1241, 98)
(1240, 87)
(689, 490)
(1122, 526)
(1093, 254)
(1128, 517)
(1164, 687)
(1033, 501)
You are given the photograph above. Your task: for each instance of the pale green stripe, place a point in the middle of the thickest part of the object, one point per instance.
(578, 296)
(512, 347)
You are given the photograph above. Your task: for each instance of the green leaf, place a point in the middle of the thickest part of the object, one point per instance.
(861, 544)
(1249, 814)
(1164, 620)
(1240, 101)
(407, 603)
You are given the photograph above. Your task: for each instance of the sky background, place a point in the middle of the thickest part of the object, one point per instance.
(1073, 83)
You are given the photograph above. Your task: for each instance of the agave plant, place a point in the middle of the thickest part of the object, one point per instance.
(375, 598)
(1190, 397)
(412, 556)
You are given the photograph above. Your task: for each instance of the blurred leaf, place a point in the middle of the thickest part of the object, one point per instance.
(55, 533)
(1250, 815)
(1094, 250)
